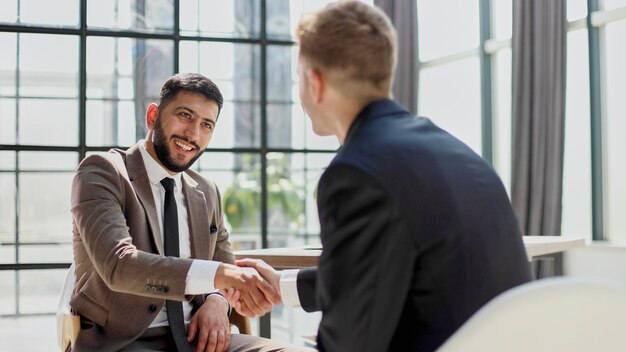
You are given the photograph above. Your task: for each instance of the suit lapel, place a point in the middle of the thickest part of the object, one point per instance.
(141, 183)
(198, 213)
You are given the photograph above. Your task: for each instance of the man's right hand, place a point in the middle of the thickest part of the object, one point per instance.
(255, 291)
(268, 273)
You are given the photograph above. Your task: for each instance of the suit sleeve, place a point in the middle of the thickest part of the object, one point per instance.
(98, 192)
(306, 285)
(366, 266)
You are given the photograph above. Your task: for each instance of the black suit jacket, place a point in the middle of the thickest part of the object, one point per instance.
(417, 231)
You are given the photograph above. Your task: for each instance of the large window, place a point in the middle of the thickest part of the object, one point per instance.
(76, 77)
(450, 93)
(449, 87)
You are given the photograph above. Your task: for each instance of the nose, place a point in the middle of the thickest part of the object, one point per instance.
(193, 132)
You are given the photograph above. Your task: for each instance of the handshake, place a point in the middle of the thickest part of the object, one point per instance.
(251, 286)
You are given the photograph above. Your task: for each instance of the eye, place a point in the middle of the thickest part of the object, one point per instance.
(207, 126)
(185, 115)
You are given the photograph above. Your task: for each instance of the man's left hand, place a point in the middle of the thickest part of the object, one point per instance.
(210, 326)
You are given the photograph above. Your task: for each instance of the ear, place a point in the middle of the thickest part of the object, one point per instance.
(151, 116)
(317, 86)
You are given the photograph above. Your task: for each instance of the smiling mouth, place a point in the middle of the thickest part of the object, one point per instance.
(183, 146)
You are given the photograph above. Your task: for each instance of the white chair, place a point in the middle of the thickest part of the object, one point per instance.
(557, 314)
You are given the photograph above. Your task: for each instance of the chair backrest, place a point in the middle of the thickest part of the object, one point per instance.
(556, 314)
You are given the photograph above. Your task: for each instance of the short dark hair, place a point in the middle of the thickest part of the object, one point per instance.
(191, 82)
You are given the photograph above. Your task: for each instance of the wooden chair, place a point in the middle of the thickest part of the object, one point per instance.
(68, 324)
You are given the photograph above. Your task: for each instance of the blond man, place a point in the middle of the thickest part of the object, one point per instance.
(417, 230)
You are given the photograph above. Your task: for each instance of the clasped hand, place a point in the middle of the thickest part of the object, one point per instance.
(268, 284)
(251, 292)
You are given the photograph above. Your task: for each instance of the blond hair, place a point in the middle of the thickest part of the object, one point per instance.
(353, 45)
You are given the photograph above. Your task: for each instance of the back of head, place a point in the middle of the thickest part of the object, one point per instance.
(353, 45)
(190, 82)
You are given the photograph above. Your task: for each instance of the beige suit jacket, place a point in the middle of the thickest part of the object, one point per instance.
(122, 276)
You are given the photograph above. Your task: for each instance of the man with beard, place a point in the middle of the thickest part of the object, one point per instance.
(150, 246)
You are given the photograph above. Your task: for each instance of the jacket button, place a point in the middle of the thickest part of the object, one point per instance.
(152, 308)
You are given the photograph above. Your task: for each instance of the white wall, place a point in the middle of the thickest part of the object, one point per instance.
(597, 261)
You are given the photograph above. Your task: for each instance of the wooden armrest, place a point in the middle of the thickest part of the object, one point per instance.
(69, 330)
(241, 322)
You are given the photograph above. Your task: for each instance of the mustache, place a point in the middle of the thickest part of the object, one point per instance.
(186, 140)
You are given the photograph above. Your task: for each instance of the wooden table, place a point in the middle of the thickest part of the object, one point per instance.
(542, 245)
(302, 257)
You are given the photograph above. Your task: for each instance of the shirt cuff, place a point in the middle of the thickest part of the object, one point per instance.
(289, 287)
(201, 277)
(220, 295)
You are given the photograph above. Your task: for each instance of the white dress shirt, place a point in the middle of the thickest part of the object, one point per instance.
(289, 287)
(201, 275)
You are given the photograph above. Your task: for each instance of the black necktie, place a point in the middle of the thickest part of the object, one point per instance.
(175, 315)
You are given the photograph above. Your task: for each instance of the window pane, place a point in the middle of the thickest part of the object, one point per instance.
(54, 76)
(60, 251)
(502, 115)
(123, 77)
(8, 63)
(288, 126)
(450, 97)
(613, 4)
(44, 200)
(220, 18)
(117, 68)
(113, 123)
(9, 11)
(144, 16)
(238, 178)
(443, 31)
(615, 87)
(279, 129)
(576, 9)
(7, 121)
(239, 125)
(48, 122)
(7, 160)
(39, 290)
(7, 287)
(502, 12)
(285, 200)
(282, 66)
(57, 161)
(49, 12)
(292, 185)
(576, 216)
(280, 73)
(283, 15)
(227, 64)
(235, 70)
(7, 217)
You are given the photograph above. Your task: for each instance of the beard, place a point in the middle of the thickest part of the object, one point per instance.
(163, 152)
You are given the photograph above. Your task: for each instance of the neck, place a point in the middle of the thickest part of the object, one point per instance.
(344, 111)
(344, 117)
